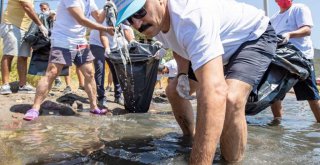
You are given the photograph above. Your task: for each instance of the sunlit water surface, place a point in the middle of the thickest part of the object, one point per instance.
(152, 138)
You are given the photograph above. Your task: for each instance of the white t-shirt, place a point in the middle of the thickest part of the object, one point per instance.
(172, 67)
(203, 30)
(296, 16)
(66, 30)
(95, 37)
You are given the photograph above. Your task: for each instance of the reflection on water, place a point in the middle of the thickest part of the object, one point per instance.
(152, 138)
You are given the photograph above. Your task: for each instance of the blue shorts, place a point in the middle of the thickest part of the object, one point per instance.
(307, 89)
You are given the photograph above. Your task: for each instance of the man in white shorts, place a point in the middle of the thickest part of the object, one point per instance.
(18, 16)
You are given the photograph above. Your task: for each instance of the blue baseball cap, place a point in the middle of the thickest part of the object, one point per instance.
(126, 8)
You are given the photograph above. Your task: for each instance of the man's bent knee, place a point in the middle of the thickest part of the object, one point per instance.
(235, 102)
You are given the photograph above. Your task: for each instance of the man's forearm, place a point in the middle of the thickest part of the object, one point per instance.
(301, 32)
(77, 13)
(183, 64)
(211, 108)
(210, 120)
(28, 8)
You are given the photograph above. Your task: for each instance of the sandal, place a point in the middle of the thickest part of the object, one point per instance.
(31, 114)
(97, 111)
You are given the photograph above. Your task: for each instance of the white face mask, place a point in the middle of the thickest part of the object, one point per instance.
(46, 12)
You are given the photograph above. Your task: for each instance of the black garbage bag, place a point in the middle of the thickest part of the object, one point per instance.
(35, 37)
(138, 77)
(41, 48)
(39, 62)
(287, 68)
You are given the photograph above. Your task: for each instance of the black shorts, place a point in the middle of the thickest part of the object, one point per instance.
(251, 60)
(307, 89)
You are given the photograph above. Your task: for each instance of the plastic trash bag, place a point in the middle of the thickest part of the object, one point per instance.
(138, 76)
(39, 62)
(287, 68)
(41, 48)
(35, 37)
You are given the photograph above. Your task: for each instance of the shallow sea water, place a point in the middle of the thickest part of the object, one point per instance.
(152, 138)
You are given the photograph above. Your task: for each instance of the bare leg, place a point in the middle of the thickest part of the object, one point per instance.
(234, 135)
(80, 77)
(110, 80)
(22, 70)
(182, 108)
(5, 68)
(45, 84)
(315, 107)
(90, 83)
(276, 109)
(67, 79)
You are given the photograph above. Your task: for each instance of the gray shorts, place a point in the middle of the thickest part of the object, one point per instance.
(79, 55)
(13, 43)
(252, 59)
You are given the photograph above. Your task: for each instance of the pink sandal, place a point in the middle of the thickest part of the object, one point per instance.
(31, 114)
(97, 111)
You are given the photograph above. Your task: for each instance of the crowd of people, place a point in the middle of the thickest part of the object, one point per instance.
(221, 51)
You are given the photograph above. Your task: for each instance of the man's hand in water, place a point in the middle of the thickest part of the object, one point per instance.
(183, 87)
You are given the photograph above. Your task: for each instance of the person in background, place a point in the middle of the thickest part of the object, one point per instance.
(230, 46)
(169, 69)
(159, 75)
(68, 44)
(17, 19)
(294, 23)
(101, 44)
(67, 79)
(110, 81)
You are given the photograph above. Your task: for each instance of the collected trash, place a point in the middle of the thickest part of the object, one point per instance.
(138, 76)
(287, 68)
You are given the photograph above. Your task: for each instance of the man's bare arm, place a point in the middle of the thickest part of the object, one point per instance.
(183, 64)
(211, 108)
(104, 40)
(99, 16)
(128, 35)
(28, 8)
(301, 32)
(77, 13)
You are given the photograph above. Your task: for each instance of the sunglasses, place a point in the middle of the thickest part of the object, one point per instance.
(138, 15)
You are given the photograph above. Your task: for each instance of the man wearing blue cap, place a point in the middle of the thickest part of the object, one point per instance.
(230, 46)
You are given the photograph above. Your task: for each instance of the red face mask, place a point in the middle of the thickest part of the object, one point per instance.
(284, 4)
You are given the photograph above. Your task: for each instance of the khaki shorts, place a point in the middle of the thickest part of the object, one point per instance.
(13, 44)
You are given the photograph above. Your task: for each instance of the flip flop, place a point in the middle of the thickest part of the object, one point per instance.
(31, 114)
(97, 111)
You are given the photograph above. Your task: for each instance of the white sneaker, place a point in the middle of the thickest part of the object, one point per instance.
(27, 89)
(5, 89)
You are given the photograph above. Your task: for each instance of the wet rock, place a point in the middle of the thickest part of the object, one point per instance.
(158, 99)
(70, 98)
(14, 86)
(49, 107)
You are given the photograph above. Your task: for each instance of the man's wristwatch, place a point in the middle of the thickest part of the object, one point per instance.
(181, 74)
